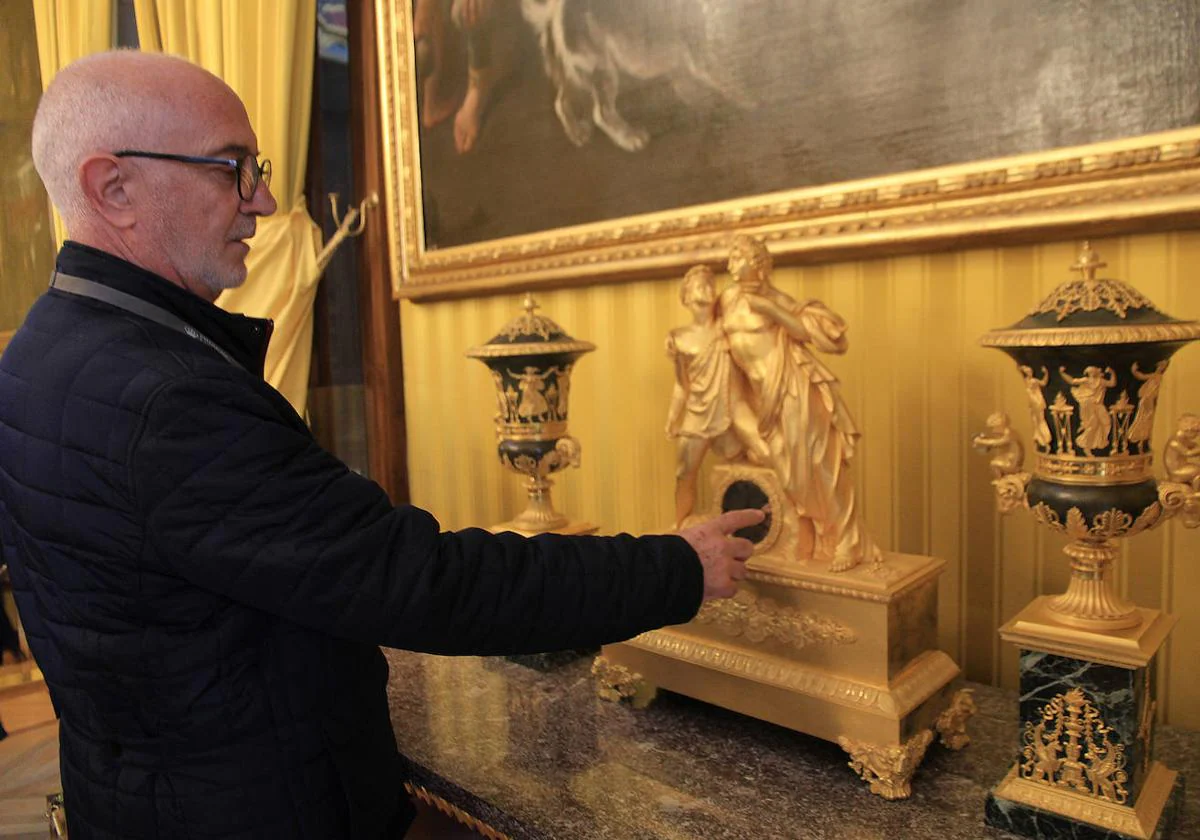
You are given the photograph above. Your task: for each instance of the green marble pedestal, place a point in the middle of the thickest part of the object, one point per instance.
(1084, 768)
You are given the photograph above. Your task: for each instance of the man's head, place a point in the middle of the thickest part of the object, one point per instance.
(183, 221)
(749, 262)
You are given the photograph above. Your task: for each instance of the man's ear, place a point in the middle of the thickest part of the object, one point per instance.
(103, 185)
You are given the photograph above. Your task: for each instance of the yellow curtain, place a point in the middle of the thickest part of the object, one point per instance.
(67, 30)
(263, 49)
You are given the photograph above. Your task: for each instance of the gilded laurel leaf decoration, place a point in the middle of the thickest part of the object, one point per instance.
(1085, 296)
(1046, 515)
(1147, 519)
(1071, 747)
(525, 464)
(1107, 525)
(530, 324)
(1111, 523)
(759, 619)
(1089, 293)
(1076, 524)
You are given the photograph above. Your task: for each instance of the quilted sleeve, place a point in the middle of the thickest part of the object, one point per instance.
(240, 503)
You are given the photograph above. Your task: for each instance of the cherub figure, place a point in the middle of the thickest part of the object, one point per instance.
(1182, 456)
(1005, 448)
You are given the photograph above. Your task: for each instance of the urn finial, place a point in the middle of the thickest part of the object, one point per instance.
(1088, 263)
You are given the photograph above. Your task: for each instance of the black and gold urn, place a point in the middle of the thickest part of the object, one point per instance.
(530, 360)
(1092, 355)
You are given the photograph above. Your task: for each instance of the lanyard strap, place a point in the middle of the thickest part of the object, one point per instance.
(73, 285)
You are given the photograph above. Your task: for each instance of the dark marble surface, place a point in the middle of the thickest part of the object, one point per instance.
(538, 755)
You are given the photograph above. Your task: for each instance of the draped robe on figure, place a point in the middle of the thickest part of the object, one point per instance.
(808, 427)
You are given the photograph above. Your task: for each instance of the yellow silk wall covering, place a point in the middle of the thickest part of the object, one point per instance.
(919, 385)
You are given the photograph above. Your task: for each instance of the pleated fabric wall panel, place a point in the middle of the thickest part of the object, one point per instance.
(919, 385)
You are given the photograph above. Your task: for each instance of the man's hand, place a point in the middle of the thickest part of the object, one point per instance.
(723, 557)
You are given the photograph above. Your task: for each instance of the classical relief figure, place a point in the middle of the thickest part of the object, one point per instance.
(564, 392)
(1037, 405)
(705, 409)
(504, 405)
(800, 412)
(533, 398)
(1143, 420)
(1095, 424)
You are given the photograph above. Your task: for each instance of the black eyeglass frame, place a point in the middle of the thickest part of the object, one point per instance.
(258, 171)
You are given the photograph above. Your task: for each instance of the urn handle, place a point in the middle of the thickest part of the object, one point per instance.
(1006, 456)
(1180, 493)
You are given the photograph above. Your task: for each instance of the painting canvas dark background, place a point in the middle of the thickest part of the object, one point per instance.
(823, 91)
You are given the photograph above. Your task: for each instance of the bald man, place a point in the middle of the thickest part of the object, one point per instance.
(203, 586)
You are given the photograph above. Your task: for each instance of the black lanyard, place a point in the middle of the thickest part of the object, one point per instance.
(86, 288)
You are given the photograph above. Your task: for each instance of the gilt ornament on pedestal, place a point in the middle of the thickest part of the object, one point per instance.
(1092, 356)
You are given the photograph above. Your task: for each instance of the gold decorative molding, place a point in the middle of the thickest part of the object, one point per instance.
(1039, 626)
(951, 724)
(872, 583)
(929, 671)
(768, 482)
(1075, 336)
(499, 351)
(1139, 821)
(616, 683)
(888, 769)
(454, 812)
(1107, 525)
(5, 337)
(759, 619)
(1131, 183)
(823, 588)
(1105, 471)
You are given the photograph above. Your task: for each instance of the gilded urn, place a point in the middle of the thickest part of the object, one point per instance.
(530, 360)
(1092, 356)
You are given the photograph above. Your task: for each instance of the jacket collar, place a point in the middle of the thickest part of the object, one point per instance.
(244, 338)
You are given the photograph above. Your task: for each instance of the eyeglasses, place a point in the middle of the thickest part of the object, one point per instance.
(249, 171)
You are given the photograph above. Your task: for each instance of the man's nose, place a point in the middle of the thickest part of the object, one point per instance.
(262, 203)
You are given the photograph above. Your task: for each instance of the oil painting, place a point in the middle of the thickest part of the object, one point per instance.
(527, 132)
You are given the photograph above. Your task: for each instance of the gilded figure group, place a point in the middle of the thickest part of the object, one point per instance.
(750, 387)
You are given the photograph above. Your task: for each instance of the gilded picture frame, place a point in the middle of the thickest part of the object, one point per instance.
(1145, 182)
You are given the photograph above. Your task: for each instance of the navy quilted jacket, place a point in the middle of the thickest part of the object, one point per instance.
(205, 588)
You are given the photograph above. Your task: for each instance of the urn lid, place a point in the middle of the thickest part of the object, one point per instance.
(1091, 310)
(530, 334)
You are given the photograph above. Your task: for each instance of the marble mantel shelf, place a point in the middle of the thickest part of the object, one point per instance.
(538, 755)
